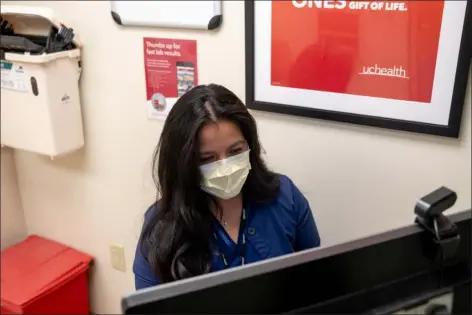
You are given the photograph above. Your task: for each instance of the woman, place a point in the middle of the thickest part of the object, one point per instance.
(220, 206)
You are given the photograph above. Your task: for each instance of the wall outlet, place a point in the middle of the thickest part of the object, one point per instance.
(117, 253)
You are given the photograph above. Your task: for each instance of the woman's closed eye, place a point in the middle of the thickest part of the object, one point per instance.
(206, 159)
(236, 151)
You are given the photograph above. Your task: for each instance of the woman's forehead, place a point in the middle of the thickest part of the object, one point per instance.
(219, 136)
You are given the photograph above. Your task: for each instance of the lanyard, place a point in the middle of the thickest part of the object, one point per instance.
(242, 254)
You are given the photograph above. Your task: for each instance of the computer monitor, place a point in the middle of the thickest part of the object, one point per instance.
(381, 274)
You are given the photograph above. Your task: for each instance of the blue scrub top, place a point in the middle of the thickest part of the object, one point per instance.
(282, 227)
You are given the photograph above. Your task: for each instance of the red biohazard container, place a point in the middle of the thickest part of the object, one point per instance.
(40, 276)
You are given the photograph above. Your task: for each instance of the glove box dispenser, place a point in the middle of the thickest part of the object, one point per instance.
(40, 71)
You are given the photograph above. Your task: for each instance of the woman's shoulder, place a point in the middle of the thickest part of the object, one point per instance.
(146, 237)
(144, 275)
(150, 212)
(287, 213)
(288, 191)
(288, 198)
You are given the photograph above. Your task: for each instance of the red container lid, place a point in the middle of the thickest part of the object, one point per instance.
(33, 267)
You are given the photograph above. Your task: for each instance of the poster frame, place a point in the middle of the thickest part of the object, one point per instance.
(451, 130)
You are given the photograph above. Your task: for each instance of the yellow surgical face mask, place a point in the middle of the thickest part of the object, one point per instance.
(225, 178)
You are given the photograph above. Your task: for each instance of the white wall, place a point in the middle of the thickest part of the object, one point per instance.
(13, 226)
(97, 197)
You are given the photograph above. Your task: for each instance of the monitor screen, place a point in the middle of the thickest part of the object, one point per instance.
(386, 272)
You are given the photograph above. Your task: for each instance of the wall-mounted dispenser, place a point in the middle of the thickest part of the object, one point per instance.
(40, 71)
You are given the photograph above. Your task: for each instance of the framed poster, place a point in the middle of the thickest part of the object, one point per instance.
(392, 64)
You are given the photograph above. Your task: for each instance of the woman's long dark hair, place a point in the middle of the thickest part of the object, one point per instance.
(176, 239)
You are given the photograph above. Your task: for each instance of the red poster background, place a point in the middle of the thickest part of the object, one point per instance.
(325, 49)
(161, 59)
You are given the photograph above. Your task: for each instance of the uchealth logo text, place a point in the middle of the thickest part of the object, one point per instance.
(375, 70)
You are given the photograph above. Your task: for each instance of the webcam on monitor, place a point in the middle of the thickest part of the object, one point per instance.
(435, 203)
(429, 215)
